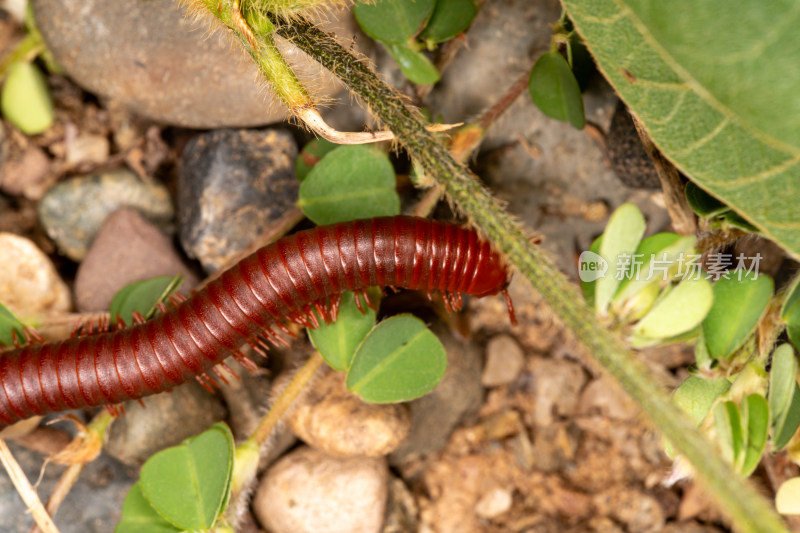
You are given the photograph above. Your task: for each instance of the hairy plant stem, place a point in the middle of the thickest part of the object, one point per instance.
(748, 510)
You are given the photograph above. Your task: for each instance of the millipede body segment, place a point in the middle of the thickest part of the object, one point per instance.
(279, 283)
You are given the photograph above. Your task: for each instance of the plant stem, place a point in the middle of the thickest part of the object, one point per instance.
(749, 510)
(27, 49)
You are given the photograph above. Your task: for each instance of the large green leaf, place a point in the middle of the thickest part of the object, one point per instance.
(712, 83)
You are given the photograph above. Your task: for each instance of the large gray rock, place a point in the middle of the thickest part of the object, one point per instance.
(150, 57)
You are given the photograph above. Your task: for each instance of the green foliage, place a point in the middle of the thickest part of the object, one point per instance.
(739, 302)
(25, 99)
(337, 341)
(310, 155)
(723, 109)
(350, 182)
(398, 361)
(143, 296)
(742, 431)
(790, 313)
(680, 310)
(555, 90)
(784, 396)
(696, 396)
(717, 214)
(415, 66)
(187, 485)
(620, 240)
(405, 27)
(10, 326)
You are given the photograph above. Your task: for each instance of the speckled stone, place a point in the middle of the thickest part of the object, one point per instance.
(73, 211)
(626, 154)
(162, 65)
(233, 185)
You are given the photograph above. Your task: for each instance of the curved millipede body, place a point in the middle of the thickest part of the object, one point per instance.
(279, 283)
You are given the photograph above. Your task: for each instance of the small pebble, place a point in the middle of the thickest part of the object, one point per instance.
(29, 283)
(233, 185)
(165, 420)
(331, 419)
(494, 503)
(558, 384)
(73, 211)
(127, 248)
(504, 361)
(26, 175)
(606, 397)
(308, 491)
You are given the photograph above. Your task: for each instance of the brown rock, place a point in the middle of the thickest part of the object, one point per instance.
(504, 361)
(333, 420)
(127, 248)
(160, 64)
(308, 491)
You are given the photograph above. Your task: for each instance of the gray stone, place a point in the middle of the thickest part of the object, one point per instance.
(165, 66)
(308, 491)
(128, 248)
(73, 211)
(630, 162)
(233, 185)
(165, 420)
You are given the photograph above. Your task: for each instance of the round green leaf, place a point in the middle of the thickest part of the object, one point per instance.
(142, 296)
(351, 182)
(393, 21)
(787, 499)
(449, 18)
(679, 311)
(738, 305)
(25, 99)
(555, 90)
(728, 423)
(188, 484)
(725, 110)
(401, 359)
(337, 341)
(415, 66)
(696, 395)
(620, 240)
(138, 516)
(310, 155)
(8, 324)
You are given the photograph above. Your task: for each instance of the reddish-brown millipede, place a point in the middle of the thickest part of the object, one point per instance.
(279, 283)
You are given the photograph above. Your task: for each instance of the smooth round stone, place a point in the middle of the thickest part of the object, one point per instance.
(73, 211)
(310, 492)
(29, 283)
(157, 62)
(233, 185)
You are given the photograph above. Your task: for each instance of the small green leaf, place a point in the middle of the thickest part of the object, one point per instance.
(790, 311)
(728, 422)
(25, 99)
(415, 66)
(188, 484)
(784, 395)
(393, 21)
(703, 203)
(449, 18)
(696, 395)
(757, 418)
(555, 90)
(787, 499)
(793, 332)
(620, 240)
(143, 296)
(8, 324)
(400, 360)
(732, 218)
(351, 182)
(679, 311)
(138, 516)
(311, 154)
(588, 286)
(337, 341)
(738, 305)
